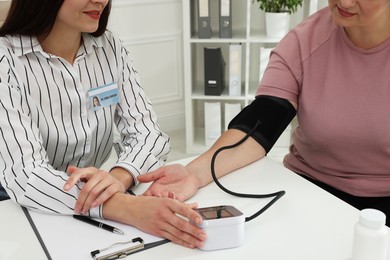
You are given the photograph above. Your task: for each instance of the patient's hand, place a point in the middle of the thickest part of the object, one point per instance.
(173, 181)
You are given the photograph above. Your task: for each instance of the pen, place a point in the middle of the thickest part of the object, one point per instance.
(99, 224)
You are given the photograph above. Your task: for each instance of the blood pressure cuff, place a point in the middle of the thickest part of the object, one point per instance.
(273, 113)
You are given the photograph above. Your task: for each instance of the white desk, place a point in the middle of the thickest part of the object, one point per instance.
(307, 223)
(17, 238)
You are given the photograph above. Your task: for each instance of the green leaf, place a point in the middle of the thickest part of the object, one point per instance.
(278, 6)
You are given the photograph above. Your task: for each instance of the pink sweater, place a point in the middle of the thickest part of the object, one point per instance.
(343, 96)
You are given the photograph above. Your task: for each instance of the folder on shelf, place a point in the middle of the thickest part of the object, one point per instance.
(204, 21)
(264, 58)
(225, 18)
(212, 122)
(231, 110)
(214, 71)
(235, 61)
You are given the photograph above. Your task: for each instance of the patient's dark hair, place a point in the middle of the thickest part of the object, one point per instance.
(37, 17)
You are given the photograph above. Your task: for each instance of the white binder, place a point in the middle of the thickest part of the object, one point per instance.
(235, 61)
(231, 110)
(212, 122)
(264, 58)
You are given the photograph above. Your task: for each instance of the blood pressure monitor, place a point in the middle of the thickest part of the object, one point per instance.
(224, 226)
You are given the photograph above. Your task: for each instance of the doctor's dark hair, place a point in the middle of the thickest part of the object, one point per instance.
(37, 17)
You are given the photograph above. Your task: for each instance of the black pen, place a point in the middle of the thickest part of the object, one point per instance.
(99, 224)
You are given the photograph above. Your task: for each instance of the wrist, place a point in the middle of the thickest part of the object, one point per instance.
(198, 176)
(119, 208)
(125, 177)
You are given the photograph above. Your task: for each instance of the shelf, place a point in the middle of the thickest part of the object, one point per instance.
(248, 26)
(238, 36)
(198, 93)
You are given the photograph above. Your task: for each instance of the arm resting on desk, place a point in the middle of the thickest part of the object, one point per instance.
(262, 122)
(157, 216)
(185, 181)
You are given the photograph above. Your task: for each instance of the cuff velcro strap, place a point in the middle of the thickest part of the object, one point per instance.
(273, 114)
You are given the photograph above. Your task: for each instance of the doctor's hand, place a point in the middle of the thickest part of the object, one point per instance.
(99, 187)
(162, 217)
(173, 181)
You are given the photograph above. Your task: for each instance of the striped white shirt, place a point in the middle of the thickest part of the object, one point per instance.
(47, 121)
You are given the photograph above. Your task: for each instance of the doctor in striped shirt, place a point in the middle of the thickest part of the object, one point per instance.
(65, 81)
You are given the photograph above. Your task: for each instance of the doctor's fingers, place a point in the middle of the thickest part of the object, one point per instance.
(97, 190)
(80, 174)
(183, 232)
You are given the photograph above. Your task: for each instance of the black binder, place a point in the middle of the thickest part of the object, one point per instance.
(214, 71)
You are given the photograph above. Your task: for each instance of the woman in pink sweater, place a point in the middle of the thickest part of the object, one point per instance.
(332, 70)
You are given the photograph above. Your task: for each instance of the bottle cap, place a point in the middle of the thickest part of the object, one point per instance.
(372, 218)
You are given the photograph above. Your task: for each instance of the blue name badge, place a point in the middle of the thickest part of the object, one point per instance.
(103, 96)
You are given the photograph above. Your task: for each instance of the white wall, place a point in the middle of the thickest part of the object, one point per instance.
(4, 6)
(152, 32)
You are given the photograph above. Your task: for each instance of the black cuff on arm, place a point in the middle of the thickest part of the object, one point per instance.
(273, 113)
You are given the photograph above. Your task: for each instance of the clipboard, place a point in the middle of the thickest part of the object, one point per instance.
(36, 233)
(130, 247)
(45, 226)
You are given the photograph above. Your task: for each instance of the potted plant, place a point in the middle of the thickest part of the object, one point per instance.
(277, 15)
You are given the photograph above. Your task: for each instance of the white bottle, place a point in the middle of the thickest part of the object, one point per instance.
(370, 237)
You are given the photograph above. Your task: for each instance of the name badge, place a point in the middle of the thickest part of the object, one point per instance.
(103, 96)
